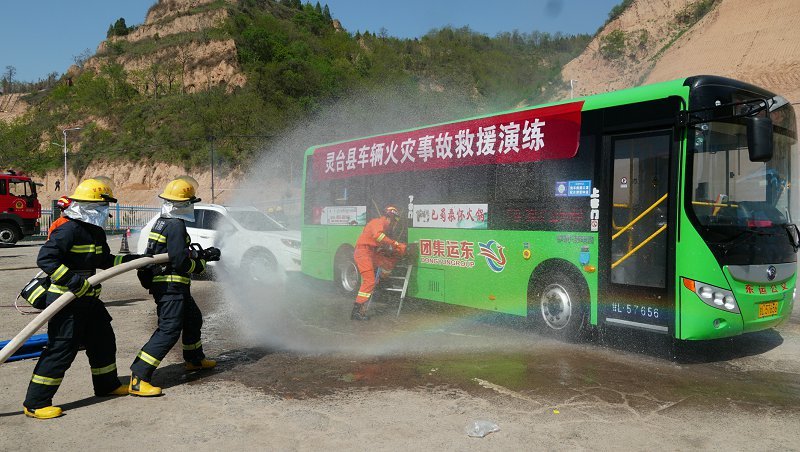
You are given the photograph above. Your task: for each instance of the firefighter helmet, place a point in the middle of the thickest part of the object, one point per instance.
(191, 181)
(391, 212)
(179, 190)
(63, 203)
(106, 180)
(93, 190)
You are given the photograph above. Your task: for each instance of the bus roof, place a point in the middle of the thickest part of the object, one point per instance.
(593, 102)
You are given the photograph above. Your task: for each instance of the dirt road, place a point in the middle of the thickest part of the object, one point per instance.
(296, 374)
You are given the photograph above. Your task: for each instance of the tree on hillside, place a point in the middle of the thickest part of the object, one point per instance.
(8, 78)
(118, 28)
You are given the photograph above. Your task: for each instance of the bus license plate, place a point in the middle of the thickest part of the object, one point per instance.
(767, 309)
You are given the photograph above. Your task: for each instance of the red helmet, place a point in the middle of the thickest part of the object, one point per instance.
(391, 211)
(63, 202)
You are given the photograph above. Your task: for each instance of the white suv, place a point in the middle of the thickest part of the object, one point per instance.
(251, 241)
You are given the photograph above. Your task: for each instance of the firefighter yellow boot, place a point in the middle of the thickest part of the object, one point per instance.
(121, 390)
(141, 388)
(204, 363)
(47, 412)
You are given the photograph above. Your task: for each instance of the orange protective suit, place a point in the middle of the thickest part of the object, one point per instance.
(367, 258)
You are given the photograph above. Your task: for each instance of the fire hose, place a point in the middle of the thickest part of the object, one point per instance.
(59, 304)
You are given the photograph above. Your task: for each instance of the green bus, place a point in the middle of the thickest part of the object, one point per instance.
(664, 208)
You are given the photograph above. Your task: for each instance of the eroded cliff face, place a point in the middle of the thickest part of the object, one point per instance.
(138, 183)
(754, 42)
(195, 64)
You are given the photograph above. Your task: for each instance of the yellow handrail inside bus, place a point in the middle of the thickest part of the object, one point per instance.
(641, 215)
(645, 242)
(713, 204)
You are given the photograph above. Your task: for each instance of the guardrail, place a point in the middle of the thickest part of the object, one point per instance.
(122, 218)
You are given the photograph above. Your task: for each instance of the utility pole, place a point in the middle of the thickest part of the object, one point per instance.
(211, 139)
(571, 87)
(66, 184)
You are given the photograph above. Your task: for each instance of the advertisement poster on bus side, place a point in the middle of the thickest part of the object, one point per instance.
(344, 215)
(451, 216)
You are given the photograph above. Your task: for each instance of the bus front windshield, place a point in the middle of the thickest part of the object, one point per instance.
(730, 192)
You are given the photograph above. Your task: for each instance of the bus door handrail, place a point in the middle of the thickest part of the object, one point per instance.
(645, 242)
(641, 215)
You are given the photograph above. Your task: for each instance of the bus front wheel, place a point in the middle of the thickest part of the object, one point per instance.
(556, 306)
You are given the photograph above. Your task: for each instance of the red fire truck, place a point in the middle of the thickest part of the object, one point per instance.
(19, 208)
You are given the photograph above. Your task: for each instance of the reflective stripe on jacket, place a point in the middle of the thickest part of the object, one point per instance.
(374, 233)
(71, 254)
(169, 236)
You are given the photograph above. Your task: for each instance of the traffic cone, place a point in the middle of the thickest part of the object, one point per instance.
(123, 249)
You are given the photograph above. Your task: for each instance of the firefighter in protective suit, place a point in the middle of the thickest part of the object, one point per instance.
(178, 314)
(368, 258)
(70, 256)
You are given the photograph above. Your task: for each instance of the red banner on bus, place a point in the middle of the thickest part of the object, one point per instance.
(522, 136)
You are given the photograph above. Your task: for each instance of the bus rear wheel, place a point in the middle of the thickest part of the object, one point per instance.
(556, 306)
(348, 280)
(9, 234)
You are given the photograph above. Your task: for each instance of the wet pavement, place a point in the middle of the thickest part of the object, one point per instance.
(291, 347)
(296, 341)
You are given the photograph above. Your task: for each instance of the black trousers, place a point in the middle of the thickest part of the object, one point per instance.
(84, 321)
(177, 313)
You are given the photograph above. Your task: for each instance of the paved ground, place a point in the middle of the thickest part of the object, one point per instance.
(296, 374)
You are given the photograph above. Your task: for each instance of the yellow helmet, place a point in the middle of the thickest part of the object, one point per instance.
(106, 180)
(191, 180)
(93, 190)
(179, 190)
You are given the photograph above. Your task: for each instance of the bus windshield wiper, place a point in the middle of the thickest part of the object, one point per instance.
(794, 235)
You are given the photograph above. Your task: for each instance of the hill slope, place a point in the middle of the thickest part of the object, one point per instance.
(758, 42)
(230, 77)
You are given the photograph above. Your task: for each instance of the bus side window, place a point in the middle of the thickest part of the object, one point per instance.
(2, 187)
(317, 194)
(468, 184)
(394, 188)
(348, 192)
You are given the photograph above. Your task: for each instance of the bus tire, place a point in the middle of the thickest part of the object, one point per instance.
(557, 307)
(347, 277)
(9, 234)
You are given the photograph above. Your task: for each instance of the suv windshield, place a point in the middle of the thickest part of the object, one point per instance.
(253, 220)
(731, 193)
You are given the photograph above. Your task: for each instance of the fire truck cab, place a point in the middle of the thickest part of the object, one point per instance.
(19, 208)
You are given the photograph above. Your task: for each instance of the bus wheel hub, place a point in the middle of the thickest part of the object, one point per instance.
(556, 306)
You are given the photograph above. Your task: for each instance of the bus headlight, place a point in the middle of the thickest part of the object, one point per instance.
(713, 296)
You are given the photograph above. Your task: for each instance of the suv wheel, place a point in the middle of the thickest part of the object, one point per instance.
(259, 266)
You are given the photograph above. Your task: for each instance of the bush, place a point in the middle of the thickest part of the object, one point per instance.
(612, 45)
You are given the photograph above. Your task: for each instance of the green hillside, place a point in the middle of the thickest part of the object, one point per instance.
(296, 64)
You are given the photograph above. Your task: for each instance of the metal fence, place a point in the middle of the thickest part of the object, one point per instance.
(122, 218)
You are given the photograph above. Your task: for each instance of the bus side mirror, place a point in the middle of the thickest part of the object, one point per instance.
(759, 138)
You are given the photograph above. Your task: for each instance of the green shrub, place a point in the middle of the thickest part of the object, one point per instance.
(612, 45)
